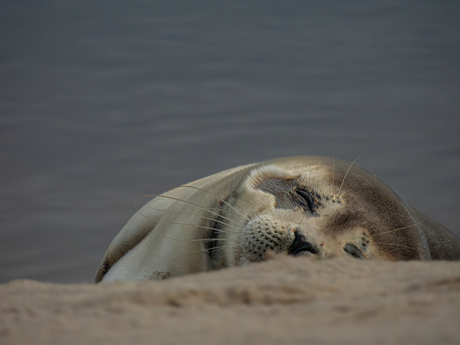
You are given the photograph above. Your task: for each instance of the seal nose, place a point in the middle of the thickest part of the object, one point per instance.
(301, 246)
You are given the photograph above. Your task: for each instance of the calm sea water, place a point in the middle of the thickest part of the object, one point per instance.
(102, 102)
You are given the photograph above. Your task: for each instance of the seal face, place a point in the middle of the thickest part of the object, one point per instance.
(314, 206)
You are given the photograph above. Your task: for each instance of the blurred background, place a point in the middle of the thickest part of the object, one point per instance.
(102, 102)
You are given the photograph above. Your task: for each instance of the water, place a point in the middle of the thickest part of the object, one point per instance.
(103, 102)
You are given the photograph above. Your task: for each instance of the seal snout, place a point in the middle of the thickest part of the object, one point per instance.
(301, 246)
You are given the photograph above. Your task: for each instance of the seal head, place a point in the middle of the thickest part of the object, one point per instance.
(315, 206)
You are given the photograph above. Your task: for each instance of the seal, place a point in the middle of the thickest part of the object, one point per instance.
(315, 206)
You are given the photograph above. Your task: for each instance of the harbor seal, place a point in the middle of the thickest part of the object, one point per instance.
(316, 206)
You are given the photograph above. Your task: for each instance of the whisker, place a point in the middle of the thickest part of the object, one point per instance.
(199, 226)
(186, 202)
(205, 250)
(191, 214)
(217, 197)
(195, 240)
(229, 205)
(397, 245)
(406, 227)
(333, 171)
(343, 180)
(263, 216)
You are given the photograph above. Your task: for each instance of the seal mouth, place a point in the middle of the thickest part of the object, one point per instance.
(214, 235)
(213, 242)
(301, 246)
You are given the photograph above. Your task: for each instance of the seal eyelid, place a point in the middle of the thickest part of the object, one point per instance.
(307, 198)
(354, 251)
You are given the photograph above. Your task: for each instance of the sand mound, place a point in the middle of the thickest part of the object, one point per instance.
(281, 301)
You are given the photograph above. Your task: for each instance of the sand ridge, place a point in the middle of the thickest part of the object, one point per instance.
(281, 301)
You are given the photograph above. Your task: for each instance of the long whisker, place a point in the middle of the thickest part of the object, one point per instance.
(396, 245)
(333, 171)
(343, 180)
(191, 214)
(233, 198)
(205, 250)
(187, 202)
(218, 198)
(225, 202)
(195, 240)
(406, 227)
(199, 226)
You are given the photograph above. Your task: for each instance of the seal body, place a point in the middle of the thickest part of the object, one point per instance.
(316, 206)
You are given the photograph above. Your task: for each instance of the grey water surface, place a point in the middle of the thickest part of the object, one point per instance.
(102, 102)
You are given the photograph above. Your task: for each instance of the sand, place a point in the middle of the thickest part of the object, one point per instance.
(281, 301)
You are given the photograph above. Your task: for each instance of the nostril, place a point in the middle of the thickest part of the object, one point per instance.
(301, 246)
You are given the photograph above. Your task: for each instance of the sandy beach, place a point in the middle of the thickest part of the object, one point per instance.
(281, 301)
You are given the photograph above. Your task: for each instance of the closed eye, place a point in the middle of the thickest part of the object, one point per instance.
(306, 199)
(354, 251)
